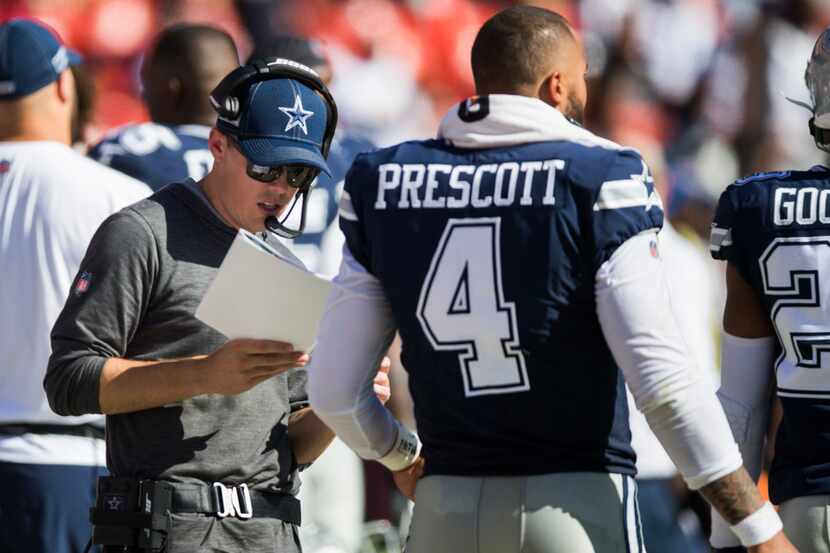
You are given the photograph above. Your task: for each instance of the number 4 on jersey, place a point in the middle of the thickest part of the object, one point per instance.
(462, 308)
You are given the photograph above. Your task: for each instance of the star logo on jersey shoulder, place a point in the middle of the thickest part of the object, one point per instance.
(652, 196)
(297, 115)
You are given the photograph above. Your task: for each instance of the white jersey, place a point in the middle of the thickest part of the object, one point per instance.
(52, 201)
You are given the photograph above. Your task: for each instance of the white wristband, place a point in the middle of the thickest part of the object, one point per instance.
(404, 452)
(758, 527)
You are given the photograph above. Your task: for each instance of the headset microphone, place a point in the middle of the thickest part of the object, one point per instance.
(278, 227)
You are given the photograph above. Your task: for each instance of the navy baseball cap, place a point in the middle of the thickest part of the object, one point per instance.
(31, 57)
(282, 122)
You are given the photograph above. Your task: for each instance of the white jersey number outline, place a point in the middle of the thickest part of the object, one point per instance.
(791, 273)
(462, 308)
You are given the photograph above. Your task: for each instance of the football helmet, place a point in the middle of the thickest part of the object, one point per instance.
(817, 78)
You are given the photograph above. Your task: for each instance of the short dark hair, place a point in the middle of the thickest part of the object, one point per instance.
(513, 48)
(195, 56)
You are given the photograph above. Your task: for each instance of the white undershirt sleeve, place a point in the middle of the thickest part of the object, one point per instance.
(354, 334)
(634, 310)
(746, 395)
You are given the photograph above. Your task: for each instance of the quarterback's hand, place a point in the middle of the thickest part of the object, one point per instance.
(241, 364)
(383, 388)
(777, 544)
(407, 479)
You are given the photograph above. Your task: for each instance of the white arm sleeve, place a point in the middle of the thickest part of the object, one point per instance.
(354, 334)
(679, 404)
(746, 396)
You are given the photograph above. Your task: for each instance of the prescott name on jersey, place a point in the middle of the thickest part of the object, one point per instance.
(488, 258)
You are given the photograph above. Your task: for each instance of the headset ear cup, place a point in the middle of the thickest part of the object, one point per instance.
(232, 106)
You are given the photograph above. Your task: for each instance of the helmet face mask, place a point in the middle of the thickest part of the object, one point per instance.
(817, 79)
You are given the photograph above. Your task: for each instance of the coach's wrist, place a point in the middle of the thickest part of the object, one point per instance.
(197, 377)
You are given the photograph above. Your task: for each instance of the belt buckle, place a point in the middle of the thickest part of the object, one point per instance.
(223, 500)
(232, 501)
(242, 502)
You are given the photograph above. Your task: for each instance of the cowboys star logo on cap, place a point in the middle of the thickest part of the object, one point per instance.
(297, 115)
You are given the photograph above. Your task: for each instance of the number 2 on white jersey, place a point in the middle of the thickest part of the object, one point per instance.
(792, 272)
(462, 308)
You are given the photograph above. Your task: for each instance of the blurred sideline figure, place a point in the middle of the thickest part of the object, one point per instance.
(52, 200)
(332, 493)
(185, 62)
(501, 252)
(772, 230)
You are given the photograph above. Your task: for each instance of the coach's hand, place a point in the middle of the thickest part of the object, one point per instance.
(241, 364)
(383, 387)
(407, 479)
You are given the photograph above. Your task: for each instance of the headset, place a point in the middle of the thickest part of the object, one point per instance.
(225, 100)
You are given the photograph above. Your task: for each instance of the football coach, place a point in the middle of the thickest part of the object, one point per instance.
(205, 436)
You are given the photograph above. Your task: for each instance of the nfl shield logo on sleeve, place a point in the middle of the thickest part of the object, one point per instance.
(82, 285)
(653, 249)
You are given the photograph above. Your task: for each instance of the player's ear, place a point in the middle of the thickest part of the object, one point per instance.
(552, 90)
(218, 144)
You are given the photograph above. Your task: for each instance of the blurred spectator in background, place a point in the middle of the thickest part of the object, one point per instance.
(332, 492)
(181, 68)
(52, 200)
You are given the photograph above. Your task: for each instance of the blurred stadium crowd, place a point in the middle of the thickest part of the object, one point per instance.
(699, 86)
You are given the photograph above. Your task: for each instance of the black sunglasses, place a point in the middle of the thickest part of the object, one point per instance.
(296, 175)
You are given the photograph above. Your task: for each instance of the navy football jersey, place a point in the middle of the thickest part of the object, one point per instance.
(775, 229)
(319, 247)
(488, 259)
(157, 154)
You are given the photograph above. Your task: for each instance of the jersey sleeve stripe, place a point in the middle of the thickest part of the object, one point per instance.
(616, 194)
(719, 238)
(346, 208)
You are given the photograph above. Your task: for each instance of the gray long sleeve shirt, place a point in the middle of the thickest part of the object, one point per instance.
(135, 295)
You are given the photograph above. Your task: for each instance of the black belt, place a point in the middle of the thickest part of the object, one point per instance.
(85, 430)
(238, 501)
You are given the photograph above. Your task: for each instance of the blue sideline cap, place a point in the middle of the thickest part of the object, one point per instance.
(282, 122)
(31, 57)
